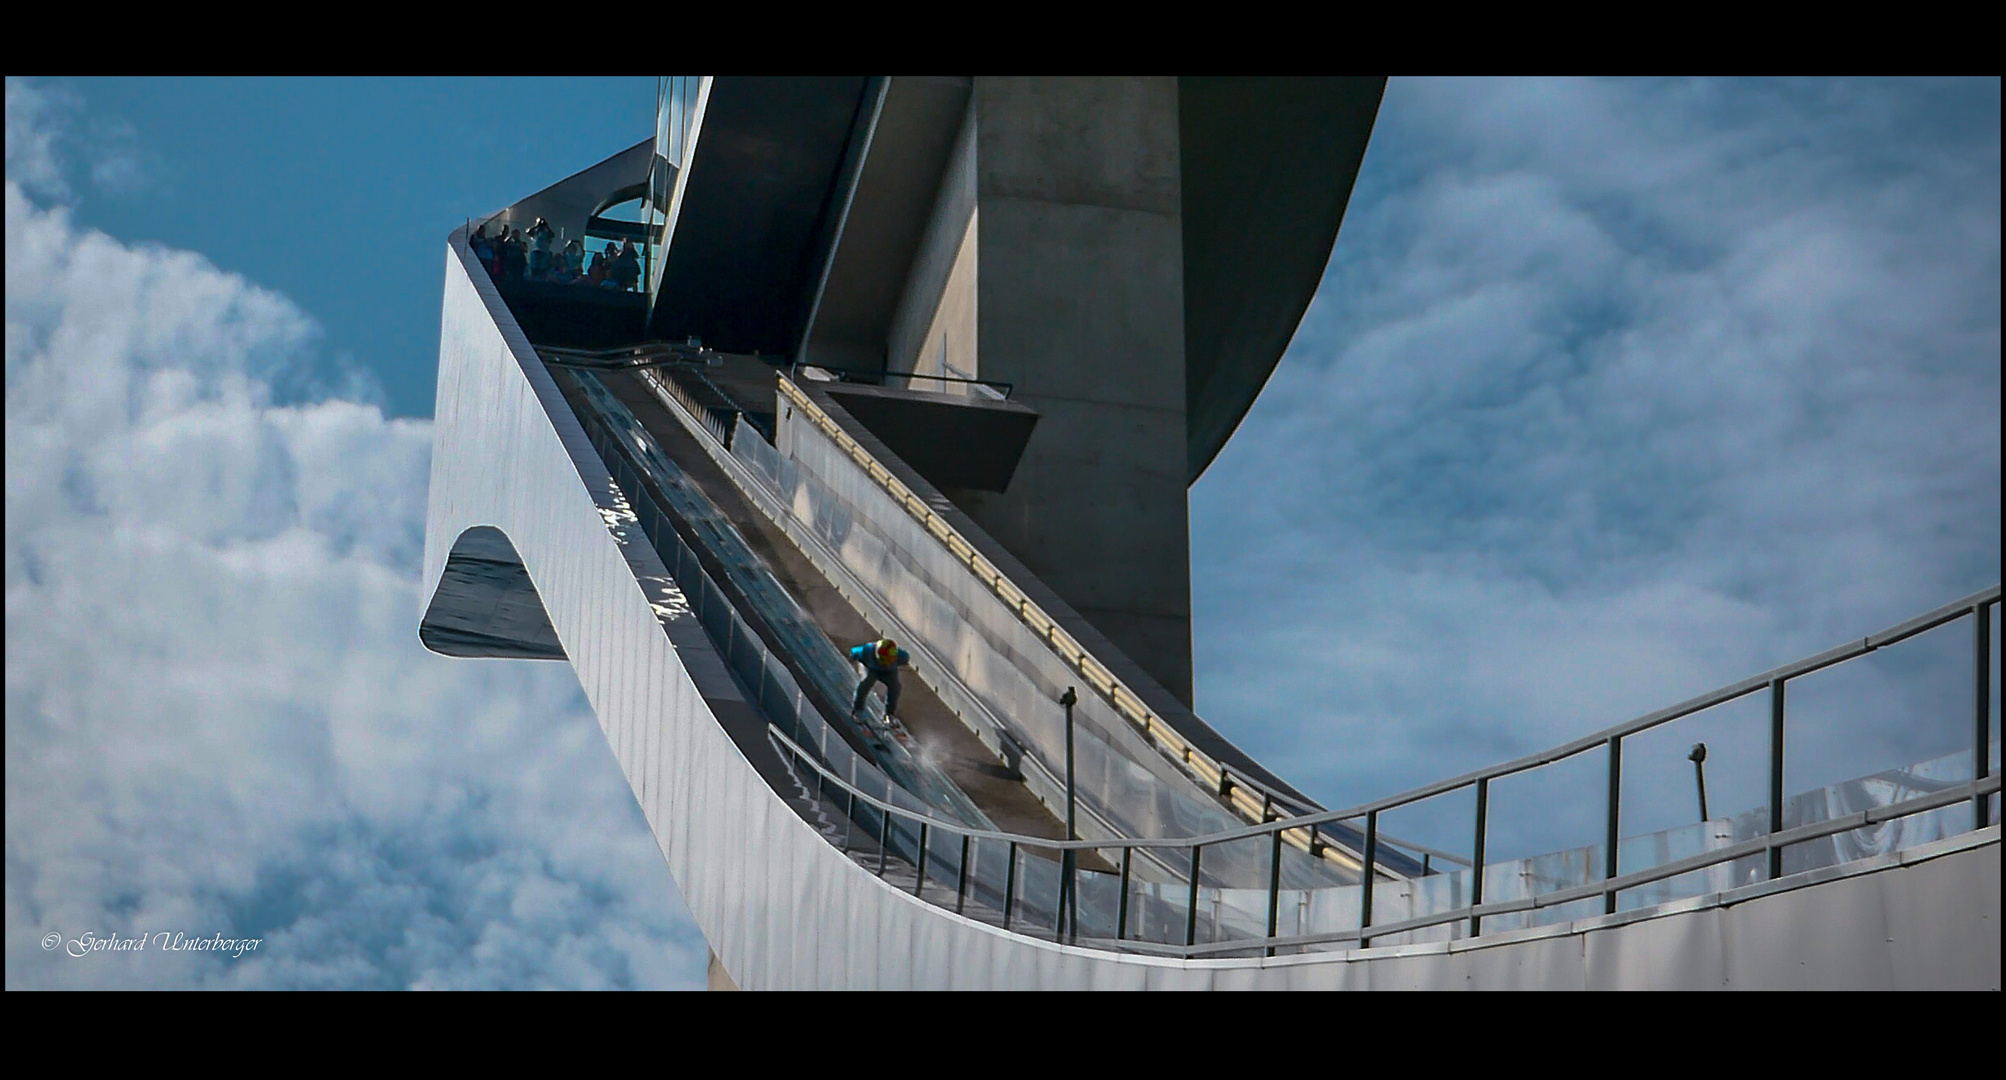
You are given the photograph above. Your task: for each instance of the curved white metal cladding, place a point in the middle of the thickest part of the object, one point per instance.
(782, 908)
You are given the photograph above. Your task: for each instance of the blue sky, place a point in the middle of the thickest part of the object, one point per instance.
(1614, 392)
(332, 192)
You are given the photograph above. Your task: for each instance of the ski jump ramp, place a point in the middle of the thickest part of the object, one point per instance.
(609, 507)
(783, 907)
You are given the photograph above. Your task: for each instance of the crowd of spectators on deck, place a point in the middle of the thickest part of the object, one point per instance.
(537, 255)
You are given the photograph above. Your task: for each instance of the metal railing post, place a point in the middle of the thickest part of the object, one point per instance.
(1371, 860)
(1615, 814)
(1191, 906)
(961, 879)
(1121, 911)
(1775, 775)
(1981, 744)
(1059, 908)
(1477, 856)
(1068, 883)
(884, 838)
(1009, 883)
(1274, 885)
(919, 863)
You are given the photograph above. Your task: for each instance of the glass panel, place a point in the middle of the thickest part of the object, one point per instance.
(1887, 788)
(525, 257)
(1235, 911)
(1098, 892)
(943, 857)
(986, 881)
(1159, 896)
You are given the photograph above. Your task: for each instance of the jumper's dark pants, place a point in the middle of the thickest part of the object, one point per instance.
(891, 681)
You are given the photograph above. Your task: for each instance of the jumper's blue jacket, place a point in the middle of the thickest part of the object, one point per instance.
(867, 655)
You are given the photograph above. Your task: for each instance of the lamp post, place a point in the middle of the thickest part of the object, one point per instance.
(1698, 758)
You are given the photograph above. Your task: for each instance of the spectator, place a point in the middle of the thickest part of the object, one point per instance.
(539, 250)
(483, 249)
(626, 266)
(601, 262)
(573, 271)
(514, 256)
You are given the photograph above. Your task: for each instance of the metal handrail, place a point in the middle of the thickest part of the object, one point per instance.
(997, 385)
(1026, 840)
(630, 357)
(1754, 846)
(1975, 789)
(1978, 790)
(1930, 621)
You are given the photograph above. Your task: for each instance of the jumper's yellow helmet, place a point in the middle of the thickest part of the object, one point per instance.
(888, 650)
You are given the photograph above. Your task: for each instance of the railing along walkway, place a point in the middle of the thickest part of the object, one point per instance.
(1977, 792)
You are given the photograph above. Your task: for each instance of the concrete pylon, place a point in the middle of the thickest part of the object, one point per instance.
(1060, 224)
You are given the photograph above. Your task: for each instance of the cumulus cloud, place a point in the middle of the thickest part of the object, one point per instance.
(218, 716)
(36, 117)
(1614, 393)
(47, 125)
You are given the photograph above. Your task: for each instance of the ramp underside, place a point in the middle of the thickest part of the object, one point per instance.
(486, 606)
(757, 206)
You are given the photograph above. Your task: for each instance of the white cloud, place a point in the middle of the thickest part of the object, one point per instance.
(219, 718)
(1615, 393)
(36, 118)
(42, 122)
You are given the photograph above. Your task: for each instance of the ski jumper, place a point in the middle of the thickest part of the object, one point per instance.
(874, 672)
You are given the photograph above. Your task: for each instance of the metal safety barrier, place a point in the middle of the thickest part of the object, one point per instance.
(1981, 788)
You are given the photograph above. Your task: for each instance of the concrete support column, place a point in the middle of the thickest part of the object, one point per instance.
(1081, 306)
